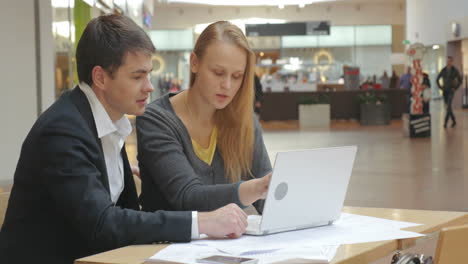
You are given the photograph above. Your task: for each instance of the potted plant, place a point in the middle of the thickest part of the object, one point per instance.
(314, 111)
(373, 109)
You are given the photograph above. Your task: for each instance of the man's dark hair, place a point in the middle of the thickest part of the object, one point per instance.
(105, 41)
(450, 57)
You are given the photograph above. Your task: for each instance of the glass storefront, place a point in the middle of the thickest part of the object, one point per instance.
(171, 70)
(70, 17)
(301, 59)
(366, 47)
(63, 30)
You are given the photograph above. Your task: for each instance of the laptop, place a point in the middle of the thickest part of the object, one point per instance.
(307, 189)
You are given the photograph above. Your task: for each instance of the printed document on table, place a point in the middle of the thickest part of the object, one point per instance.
(316, 245)
(349, 229)
(189, 253)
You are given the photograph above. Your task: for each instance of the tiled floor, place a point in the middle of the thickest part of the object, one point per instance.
(390, 170)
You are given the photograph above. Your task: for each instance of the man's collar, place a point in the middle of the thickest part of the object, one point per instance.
(104, 124)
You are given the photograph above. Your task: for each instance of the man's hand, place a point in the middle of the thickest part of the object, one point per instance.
(228, 221)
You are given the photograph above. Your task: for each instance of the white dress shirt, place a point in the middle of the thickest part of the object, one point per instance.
(113, 135)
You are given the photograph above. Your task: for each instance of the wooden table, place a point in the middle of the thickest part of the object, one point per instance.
(432, 221)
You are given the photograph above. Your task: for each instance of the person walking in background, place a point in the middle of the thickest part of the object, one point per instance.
(451, 81)
(405, 84)
(405, 80)
(426, 94)
(385, 81)
(258, 95)
(393, 80)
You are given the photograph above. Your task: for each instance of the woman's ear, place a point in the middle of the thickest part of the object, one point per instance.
(194, 63)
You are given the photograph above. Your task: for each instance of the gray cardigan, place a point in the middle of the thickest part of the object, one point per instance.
(173, 177)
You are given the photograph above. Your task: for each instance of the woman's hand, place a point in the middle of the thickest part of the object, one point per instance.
(262, 185)
(135, 170)
(253, 190)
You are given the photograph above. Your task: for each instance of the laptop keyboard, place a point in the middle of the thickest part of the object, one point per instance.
(254, 222)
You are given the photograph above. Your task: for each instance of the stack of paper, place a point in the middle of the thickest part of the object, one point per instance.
(318, 243)
(190, 253)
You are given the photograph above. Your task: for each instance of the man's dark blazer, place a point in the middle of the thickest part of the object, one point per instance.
(60, 207)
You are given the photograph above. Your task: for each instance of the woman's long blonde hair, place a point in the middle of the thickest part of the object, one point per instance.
(235, 122)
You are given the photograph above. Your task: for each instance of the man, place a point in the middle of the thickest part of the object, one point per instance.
(405, 80)
(73, 193)
(385, 80)
(258, 94)
(451, 81)
(393, 80)
(405, 84)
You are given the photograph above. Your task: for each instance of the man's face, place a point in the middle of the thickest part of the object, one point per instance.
(449, 62)
(127, 92)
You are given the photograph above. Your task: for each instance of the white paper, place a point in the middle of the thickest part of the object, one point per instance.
(318, 243)
(189, 253)
(185, 253)
(349, 229)
(312, 254)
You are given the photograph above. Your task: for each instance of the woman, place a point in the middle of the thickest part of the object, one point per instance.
(201, 149)
(427, 93)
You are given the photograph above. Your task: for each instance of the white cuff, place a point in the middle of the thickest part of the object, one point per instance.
(195, 234)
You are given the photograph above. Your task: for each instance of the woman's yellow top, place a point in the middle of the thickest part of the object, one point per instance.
(206, 154)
